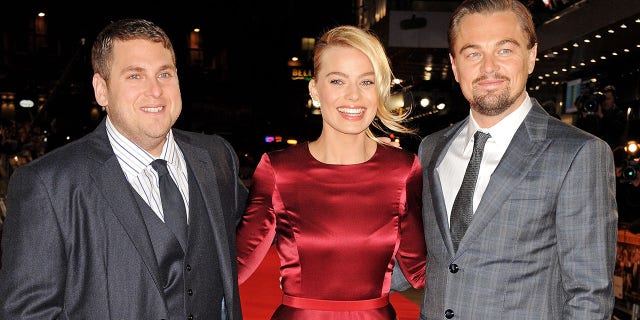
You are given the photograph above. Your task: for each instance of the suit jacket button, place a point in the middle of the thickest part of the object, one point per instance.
(188, 267)
(453, 268)
(190, 292)
(449, 314)
(190, 317)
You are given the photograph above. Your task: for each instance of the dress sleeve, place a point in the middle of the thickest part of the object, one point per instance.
(256, 230)
(412, 254)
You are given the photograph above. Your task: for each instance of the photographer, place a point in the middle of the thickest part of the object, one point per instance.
(613, 118)
(627, 190)
(589, 113)
(599, 114)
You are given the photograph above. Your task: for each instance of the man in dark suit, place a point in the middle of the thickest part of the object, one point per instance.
(85, 235)
(543, 219)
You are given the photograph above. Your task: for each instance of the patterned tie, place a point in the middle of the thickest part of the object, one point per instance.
(175, 214)
(462, 210)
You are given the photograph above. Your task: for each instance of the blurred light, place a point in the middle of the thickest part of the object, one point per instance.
(397, 101)
(26, 103)
(631, 147)
(441, 106)
(292, 141)
(269, 139)
(424, 102)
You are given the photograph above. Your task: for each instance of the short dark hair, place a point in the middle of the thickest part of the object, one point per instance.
(468, 7)
(123, 30)
(609, 88)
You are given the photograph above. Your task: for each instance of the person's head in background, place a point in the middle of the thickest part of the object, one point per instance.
(551, 108)
(492, 48)
(609, 100)
(136, 80)
(352, 83)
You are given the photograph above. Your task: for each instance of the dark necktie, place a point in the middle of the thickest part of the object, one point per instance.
(462, 210)
(175, 214)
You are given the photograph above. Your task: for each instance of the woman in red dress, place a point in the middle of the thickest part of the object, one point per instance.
(345, 208)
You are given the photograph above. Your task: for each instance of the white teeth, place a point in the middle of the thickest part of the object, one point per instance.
(351, 111)
(158, 109)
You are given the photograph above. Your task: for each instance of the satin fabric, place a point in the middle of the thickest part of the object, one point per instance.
(337, 228)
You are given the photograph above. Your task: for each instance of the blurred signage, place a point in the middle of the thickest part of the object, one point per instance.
(301, 74)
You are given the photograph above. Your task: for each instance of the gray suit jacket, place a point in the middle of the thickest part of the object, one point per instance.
(75, 245)
(541, 244)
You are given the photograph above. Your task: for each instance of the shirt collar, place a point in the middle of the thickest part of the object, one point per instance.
(136, 158)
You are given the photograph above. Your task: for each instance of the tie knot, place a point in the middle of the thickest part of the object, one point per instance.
(479, 139)
(160, 166)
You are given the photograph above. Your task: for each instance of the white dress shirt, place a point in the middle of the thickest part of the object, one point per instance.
(136, 164)
(454, 164)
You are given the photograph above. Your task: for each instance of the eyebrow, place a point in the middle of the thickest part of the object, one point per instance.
(498, 44)
(342, 74)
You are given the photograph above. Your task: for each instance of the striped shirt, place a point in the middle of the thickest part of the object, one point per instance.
(136, 164)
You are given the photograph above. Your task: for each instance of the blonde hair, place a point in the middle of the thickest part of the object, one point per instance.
(369, 44)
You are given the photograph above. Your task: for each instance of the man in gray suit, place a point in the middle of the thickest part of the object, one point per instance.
(85, 234)
(541, 241)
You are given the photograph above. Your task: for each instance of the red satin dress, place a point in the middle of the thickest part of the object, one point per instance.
(338, 230)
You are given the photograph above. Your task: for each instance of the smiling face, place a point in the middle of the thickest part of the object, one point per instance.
(492, 63)
(142, 94)
(346, 89)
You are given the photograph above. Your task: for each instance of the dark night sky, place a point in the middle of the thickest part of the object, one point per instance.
(259, 37)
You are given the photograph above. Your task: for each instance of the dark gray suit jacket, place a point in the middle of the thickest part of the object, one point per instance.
(75, 245)
(541, 244)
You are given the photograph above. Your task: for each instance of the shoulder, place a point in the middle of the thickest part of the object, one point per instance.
(397, 155)
(294, 152)
(73, 155)
(200, 138)
(70, 164)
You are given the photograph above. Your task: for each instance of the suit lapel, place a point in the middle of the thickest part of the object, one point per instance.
(440, 148)
(528, 143)
(204, 172)
(109, 178)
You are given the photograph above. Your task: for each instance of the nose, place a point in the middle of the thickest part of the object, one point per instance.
(489, 64)
(155, 88)
(352, 92)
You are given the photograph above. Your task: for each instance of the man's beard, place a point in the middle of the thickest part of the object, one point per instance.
(492, 103)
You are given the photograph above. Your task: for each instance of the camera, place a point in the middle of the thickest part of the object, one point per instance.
(630, 170)
(589, 103)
